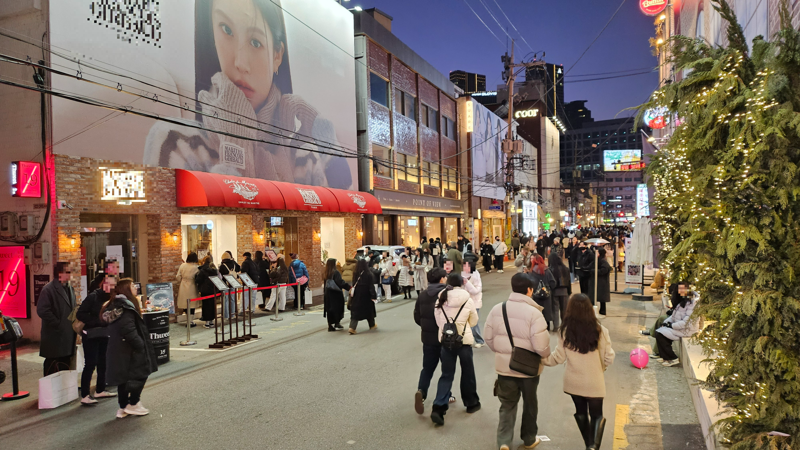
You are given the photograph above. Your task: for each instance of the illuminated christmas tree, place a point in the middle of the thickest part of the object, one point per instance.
(727, 206)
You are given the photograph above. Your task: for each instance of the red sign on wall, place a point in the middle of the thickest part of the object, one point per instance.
(652, 7)
(26, 179)
(13, 282)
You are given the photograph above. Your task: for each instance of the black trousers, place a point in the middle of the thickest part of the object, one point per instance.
(299, 290)
(586, 406)
(94, 355)
(665, 347)
(130, 393)
(584, 282)
(498, 262)
(53, 365)
(209, 309)
(430, 360)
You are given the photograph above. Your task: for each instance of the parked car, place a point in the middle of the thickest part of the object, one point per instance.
(394, 250)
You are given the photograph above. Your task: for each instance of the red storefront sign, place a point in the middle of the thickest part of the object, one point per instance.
(13, 282)
(652, 7)
(26, 179)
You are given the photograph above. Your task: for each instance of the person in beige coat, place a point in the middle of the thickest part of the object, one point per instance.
(187, 290)
(529, 331)
(585, 346)
(456, 306)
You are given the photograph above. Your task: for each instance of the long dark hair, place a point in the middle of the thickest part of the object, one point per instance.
(282, 265)
(361, 266)
(192, 258)
(125, 288)
(330, 268)
(454, 280)
(259, 256)
(580, 328)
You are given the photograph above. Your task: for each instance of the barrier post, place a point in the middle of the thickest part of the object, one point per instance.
(188, 340)
(277, 304)
(15, 393)
(298, 300)
(217, 343)
(250, 314)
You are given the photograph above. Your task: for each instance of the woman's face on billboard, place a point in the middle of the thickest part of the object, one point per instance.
(245, 48)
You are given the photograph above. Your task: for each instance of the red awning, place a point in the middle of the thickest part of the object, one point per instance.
(211, 189)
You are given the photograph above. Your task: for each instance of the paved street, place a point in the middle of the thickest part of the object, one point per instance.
(303, 387)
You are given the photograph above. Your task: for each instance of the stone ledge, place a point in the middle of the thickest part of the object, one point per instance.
(707, 408)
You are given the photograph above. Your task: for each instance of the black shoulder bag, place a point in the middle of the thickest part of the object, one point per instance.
(522, 360)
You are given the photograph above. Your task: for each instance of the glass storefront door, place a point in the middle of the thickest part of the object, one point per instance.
(433, 227)
(451, 229)
(409, 231)
(380, 231)
(106, 236)
(282, 235)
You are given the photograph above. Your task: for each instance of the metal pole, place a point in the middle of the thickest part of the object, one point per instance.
(15, 393)
(298, 300)
(596, 262)
(277, 304)
(188, 340)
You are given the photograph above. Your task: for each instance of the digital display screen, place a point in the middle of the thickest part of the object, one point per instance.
(622, 160)
(276, 221)
(412, 222)
(13, 282)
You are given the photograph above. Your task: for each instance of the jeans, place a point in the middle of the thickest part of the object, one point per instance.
(476, 330)
(508, 391)
(94, 355)
(469, 387)
(430, 359)
(229, 305)
(130, 393)
(498, 262)
(665, 347)
(354, 323)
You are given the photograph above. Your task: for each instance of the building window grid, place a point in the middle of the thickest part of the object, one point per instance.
(405, 104)
(379, 89)
(407, 168)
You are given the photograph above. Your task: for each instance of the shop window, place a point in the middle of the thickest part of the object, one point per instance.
(378, 89)
(407, 168)
(405, 104)
(382, 161)
(448, 128)
(430, 174)
(430, 117)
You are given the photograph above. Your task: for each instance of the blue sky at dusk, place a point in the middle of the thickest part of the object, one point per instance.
(449, 36)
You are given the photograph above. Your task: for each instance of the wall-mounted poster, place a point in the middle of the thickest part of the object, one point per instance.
(160, 296)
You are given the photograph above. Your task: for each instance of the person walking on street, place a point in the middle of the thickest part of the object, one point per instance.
(519, 323)
(541, 245)
(584, 262)
(263, 278)
(187, 289)
(206, 288)
(474, 285)
(603, 284)
(406, 277)
(500, 250)
(431, 347)
(543, 283)
(523, 260)
(487, 252)
(455, 256)
(562, 290)
(585, 346)
(435, 249)
(557, 248)
(56, 303)
(298, 273)
(515, 243)
(421, 263)
(388, 269)
(455, 314)
(131, 356)
(95, 341)
(333, 297)
(362, 305)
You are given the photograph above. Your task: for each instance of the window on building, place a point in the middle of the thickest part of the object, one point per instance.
(618, 179)
(378, 89)
(430, 174)
(381, 161)
(405, 104)
(628, 197)
(448, 128)
(628, 180)
(407, 168)
(450, 180)
(627, 188)
(637, 179)
(597, 166)
(429, 117)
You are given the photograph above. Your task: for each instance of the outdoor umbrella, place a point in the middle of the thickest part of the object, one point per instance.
(641, 251)
(597, 242)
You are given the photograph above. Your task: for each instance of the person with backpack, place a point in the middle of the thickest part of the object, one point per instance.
(425, 317)
(585, 346)
(562, 290)
(515, 329)
(543, 284)
(455, 314)
(500, 250)
(251, 269)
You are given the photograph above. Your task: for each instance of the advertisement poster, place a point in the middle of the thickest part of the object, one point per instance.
(642, 201)
(487, 153)
(252, 88)
(160, 296)
(622, 160)
(39, 282)
(13, 282)
(633, 274)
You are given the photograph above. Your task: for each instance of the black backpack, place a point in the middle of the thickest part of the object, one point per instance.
(542, 292)
(451, 340)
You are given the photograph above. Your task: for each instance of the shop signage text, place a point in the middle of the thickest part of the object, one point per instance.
(652, 7)
(469, 118)
(248, 191)
(310, 197)
(392, 200)
(526, 113)
(123, 186)
(26, 180)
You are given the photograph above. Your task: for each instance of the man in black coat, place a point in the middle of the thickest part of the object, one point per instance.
(586, 271)
(54, 307)
(541, 245)
(431, 347)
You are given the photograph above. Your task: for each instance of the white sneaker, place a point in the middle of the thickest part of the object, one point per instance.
(478, 345)
(121, 414)
(674, 362)
(137, 410)
(104, 394)
(88, 400)
(499, 271)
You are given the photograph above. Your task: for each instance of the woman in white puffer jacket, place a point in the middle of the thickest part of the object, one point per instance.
(474, 285)
(456, 306)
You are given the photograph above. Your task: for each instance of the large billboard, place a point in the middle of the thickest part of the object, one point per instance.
(488, 132)
(256, 88)
(622, 160)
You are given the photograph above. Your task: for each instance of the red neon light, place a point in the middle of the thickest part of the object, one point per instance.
(28, 182)
(13, 305)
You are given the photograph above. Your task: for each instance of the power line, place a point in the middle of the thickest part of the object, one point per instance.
(596, 37)
(496, 21)
(640, 69)
(512, 25)
(612, 77)
(484, 23)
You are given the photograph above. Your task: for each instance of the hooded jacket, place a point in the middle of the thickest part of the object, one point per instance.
(465, 320)
(131, 355)
(474, 286)
(348, 270)
(424, 314)
(528, 328)
(683, 325)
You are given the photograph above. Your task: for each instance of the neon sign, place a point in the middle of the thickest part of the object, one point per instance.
(13, 282)
(652, 7)
(526, 113)
(26, 179)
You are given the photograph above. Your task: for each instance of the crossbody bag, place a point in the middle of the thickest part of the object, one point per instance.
(522, 360)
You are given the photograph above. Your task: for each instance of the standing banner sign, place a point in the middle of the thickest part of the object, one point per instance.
(160, 295)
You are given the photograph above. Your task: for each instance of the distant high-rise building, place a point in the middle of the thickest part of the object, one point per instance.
(468, 82)
(552, 77)
(577, 114)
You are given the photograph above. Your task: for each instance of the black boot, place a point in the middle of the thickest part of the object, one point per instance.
(417, 294)
(597, 428)
(586, 432)
(338, 326)
(437, 414)
(331, 327)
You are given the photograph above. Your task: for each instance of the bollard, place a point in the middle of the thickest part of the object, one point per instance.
(298, 300)
(277, 305)
(188, 340)
(15, 393)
